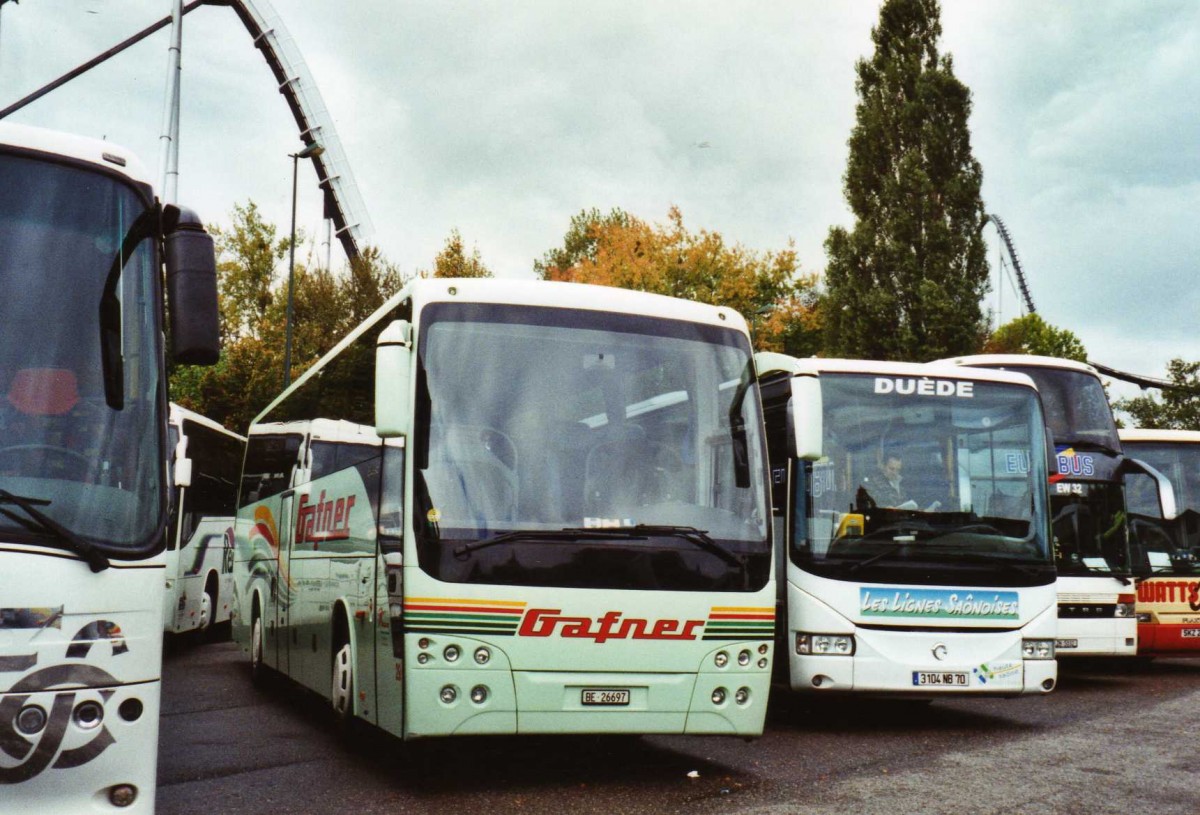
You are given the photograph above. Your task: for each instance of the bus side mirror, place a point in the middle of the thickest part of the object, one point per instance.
(1166, 492)
(183, 472)
(191, 288)
(804, 418)
(393, 380)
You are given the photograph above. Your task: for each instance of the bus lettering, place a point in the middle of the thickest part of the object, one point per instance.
(323, 520)
(905, 386)
(544, 622)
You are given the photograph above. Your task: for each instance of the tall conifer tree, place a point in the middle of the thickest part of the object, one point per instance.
(906, 282)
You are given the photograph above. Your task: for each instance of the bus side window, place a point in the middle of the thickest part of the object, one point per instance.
(391, 498)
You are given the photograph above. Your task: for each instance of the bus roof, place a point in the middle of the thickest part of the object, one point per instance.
(1031, 360)
(179, 413)
(552, 294)
(768, 363)
(1150, 434)
(104, 154)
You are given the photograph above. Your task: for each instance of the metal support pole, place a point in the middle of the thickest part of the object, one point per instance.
(287, 345)
(169, 140)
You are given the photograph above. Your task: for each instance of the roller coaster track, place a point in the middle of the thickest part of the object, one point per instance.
(1016, 262)
(343, 203)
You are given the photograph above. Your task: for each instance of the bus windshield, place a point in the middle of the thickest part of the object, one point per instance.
(924, 483)
(1076, 406)
(587, 449)
(1165, 546)
(1090, 535)
(90, 467)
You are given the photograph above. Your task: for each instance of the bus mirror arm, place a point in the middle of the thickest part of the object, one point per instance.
(183, 472)
(1166, 492)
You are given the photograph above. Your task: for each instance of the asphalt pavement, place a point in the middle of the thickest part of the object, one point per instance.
(1115, 737)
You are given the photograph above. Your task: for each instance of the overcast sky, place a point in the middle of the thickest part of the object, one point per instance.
(504, 119)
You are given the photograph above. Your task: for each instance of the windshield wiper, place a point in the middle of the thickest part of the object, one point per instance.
(40, 522)
(570, 533)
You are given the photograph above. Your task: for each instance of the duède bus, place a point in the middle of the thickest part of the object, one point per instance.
(910, 511)
(516, 507)
(83, 495)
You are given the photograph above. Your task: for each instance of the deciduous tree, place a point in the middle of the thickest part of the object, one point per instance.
(1031, 334)
(1179, 407)
(906, 281)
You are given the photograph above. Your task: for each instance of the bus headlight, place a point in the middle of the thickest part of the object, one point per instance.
(1143, 616)
(451, 654)
(825, 644)
(721, 659)
(448, 694)
(744, 658)
(1037, 649)
(31, 720)
(482, 656)
(1124, 610)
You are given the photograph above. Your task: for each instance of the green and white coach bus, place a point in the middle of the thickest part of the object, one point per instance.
(912, 505)
(84, 246)
(517, 507)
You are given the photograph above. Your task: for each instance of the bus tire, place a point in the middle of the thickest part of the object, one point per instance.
(207, 603)
(258, 669)
(341, 692)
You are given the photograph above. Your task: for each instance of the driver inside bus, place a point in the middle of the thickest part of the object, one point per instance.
(885, 487)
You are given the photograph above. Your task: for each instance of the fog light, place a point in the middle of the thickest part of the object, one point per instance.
(122, 795)
(479, 694)
(1037, 649)
(1048, 684)
(482, 656)
(742, 696)
(88, 715)
(130, 710)
(448, 694)
(423, 642)
(718, 696)
(423, 658)
(721, 659)
(452, 653)
(762, 649)
(744, 658)
(762, 663)
(31, 719)
(1143, 616)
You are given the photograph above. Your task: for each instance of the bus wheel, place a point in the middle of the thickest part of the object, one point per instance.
(206, 612)
(258, 671)
(342, 690)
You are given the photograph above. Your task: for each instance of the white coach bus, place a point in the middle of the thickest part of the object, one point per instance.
(506, 506)
(1096, 598)
(207, 466)
(83, 463)
(910, 504)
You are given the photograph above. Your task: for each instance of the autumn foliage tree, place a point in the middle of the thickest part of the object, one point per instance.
(905, 282)
(622, 250)
(453, 260)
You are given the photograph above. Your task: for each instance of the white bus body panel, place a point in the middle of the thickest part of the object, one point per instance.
(208, 554)
(1101, 637)
(103, 645)
(887, 656)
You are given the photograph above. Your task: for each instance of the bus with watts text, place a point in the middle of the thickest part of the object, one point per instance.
(1167, 540)
(505, 507)
(910, 504)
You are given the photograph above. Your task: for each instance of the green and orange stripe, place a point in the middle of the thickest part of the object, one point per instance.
(443, 615)
(740, 623)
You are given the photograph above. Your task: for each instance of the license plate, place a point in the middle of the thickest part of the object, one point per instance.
(1190, 633)
(604, 696)
(1066, 643)
(954, 678)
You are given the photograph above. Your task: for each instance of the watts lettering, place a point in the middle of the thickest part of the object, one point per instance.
(545, 622)
(324, 520)
(1170, 591)
(924, 387)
